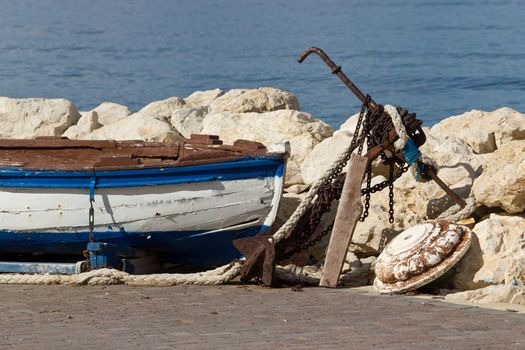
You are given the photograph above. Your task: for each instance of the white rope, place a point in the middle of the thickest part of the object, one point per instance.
(400, 143)
(397, 121)
(219, 275)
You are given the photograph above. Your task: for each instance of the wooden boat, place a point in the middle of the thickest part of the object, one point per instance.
(185, 201)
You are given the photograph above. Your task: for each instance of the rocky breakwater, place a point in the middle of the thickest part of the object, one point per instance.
(481, 156)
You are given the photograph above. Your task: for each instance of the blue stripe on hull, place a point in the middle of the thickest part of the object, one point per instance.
(236, 170)
(185, 247)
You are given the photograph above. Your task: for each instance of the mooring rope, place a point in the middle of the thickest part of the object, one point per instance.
(397, 121)
(289, 274)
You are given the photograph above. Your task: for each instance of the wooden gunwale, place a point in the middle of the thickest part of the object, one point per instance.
(80, 155)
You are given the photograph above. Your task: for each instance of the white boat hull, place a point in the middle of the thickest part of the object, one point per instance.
(173, 218)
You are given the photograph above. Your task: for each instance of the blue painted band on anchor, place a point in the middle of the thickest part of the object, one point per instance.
(411, 152)
(420, 170)
(235, 170)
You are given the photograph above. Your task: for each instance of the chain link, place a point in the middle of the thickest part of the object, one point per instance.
(391, 193)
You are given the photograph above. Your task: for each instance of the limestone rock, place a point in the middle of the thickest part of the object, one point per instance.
(33, 117)
(288, 204)
(458, 168)
(323, 155)
(417, 201)
(137, 126)
(300, 129)
(203, 98)
(506, 294)
(371, 236)
(110, 112)
(484, 131)
(163, 109)
(457, 162)
(297, 188)
(188, 120)
(351, 262)
(502, 183)
(350, 124)
(86, 124)
(496, 254)
(264, 99)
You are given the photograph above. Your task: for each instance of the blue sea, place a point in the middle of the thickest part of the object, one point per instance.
(437, 58)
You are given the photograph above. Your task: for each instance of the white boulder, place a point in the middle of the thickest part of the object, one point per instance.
(502, 183)
(417, 201)
(350, 124)
(33, 117)
(86, 124)
(203, 98)
(484, 131)
(110, 112)
(496, 255)
(137, 126)
(498, 294)
(300, 129)
(264, 99)
(163, 109)
(188, 120)
(323, 155)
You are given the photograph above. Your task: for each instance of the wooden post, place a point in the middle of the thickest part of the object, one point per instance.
(348, 213)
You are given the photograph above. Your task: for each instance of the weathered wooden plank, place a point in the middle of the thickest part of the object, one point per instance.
(53, 142)
(116, 161)
(54, 153)
(348, 212)
(156, 152)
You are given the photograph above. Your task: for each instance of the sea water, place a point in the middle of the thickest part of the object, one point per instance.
(437, 58)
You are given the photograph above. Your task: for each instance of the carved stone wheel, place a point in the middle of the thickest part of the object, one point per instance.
(420, 255)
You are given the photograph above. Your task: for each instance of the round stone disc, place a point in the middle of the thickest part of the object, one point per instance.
(419, 255)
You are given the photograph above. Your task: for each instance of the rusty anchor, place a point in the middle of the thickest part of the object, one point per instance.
(261, 255)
